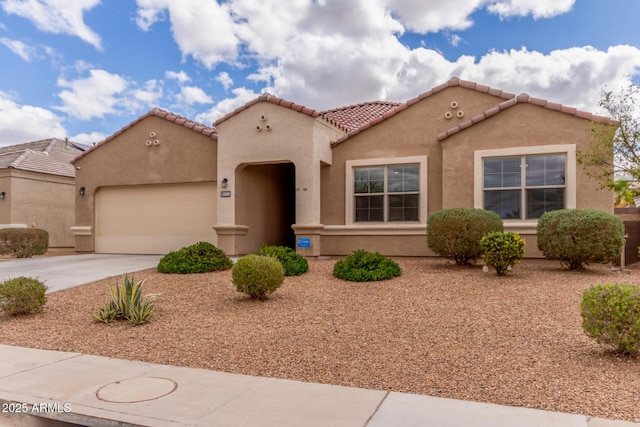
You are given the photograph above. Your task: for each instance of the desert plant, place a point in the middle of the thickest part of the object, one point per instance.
(201, 257)
(24, 242)
(293, 263)
(22, 295)
(257, 276)
(502, 250)
(611, 315)
(577, 237)
(127, 303)
(364, 266)
(456, 232)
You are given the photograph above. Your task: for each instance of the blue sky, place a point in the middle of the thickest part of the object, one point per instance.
(83, 69)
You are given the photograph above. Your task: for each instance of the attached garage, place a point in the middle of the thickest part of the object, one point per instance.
(154, 219)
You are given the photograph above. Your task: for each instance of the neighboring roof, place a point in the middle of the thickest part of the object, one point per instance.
(523, 99)
(451, 83)
(266, 97)
(51, 156)
(353, 117)
(158, 112)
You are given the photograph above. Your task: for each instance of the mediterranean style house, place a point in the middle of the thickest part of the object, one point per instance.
(329, 182)
(37, 188)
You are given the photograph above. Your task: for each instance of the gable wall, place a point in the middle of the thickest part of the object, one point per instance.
(182, 156)
(411, 132)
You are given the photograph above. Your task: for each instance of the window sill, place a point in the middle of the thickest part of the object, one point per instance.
(528, 226)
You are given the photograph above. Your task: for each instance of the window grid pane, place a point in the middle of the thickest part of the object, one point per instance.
(544, 178)
(397, 201)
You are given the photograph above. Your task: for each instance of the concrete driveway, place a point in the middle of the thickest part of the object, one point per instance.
(61, 272)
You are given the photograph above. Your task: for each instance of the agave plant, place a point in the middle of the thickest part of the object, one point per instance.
(127, 303)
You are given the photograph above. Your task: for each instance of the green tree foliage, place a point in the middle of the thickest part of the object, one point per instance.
(614, 148)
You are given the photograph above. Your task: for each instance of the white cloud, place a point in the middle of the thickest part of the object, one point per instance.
(225, 79)
(241, 96)
(93, 96)
(202, 29)
(535, 8)
(21, 49)
(25, 123)
(181, 76)
(57, 16)
(88, 138)
(193, 95)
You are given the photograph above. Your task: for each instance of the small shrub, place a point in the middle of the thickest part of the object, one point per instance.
(257, 276)
(363, 266)
(611, 315)
(201, 257)
(293, 263)
(502, 250)
(577, 237)
(22, 295)
(456, 232)
(23, 242)
(127, 303)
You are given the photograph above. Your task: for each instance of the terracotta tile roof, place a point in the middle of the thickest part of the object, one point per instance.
(51, 156)
(353, 117)
(521, 99)
(451, 83)
(158, 112)
(266, 97)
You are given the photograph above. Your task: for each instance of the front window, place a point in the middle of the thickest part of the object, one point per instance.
(386, 193)
(524, 187)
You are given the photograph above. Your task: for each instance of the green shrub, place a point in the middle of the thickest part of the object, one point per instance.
(201, 257)
(257, 276)
(23, 242)
(456, 232)
(22, 295)
(363, 266)
(127, 303)
(293, 263)
(611, 315)
(502, 250)
(577, 237)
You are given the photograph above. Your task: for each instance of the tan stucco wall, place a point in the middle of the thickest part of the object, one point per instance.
(39, 200)
(285, 136)
(182, 156)
(411, 132)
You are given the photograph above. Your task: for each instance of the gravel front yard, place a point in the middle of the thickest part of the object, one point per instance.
(439, 330)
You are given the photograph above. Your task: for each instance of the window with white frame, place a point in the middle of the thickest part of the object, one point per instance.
(386, 191)
(524, 187)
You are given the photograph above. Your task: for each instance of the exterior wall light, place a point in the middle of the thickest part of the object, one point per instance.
(2, 195)
(224, 182)
(82, 190)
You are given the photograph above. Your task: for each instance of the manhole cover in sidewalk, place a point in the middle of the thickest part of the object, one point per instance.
(136, 390)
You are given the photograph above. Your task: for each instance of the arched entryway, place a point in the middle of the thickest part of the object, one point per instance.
(266, 202)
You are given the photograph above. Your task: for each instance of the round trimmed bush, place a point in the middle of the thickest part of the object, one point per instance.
(456, 232)
(22, 295)
(293, 263)
(577, 237)
(611, 315)
(257, 276)
(201, 257)
(363, 266)
(502, 250)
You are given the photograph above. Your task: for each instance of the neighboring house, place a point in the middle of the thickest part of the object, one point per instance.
(37, 188)
(362, 176)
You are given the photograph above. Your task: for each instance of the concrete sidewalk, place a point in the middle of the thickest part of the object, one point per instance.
(99, 391)
(61, 272)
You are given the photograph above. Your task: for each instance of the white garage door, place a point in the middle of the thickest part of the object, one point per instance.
(154, 219)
